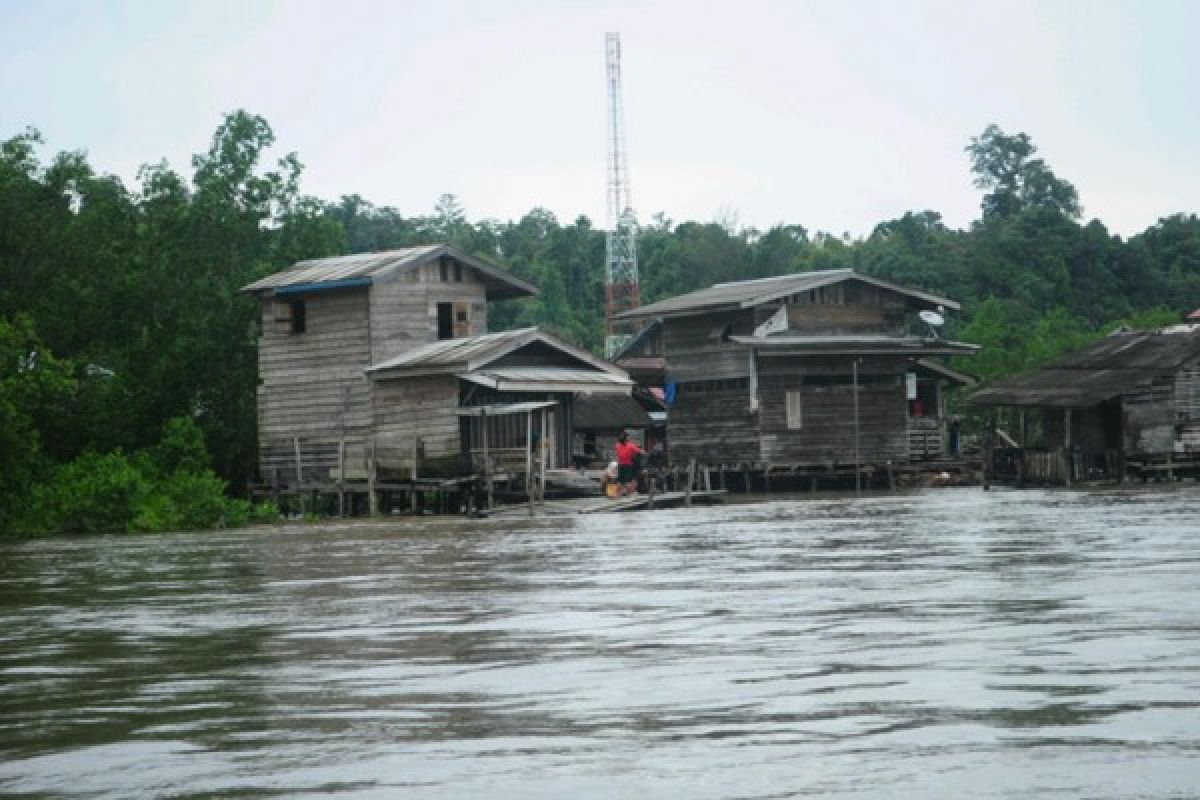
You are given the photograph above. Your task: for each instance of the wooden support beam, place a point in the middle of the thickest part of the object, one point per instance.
(542, 461)
(299, 466)
(690, 478)
(529, 459)
(372, 500)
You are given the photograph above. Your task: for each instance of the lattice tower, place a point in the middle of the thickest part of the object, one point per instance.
(621, 270)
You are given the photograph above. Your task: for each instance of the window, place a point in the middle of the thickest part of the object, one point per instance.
(462, 320)
(445, 320)
(457, 272)
(299, 317)
(795, 411)
(443, 270)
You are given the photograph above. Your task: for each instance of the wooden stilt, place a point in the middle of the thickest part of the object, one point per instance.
(299, 466)
(341, 481)
(691, 476)
(542, 461)
(372, 500)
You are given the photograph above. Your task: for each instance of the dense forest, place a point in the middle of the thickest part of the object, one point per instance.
(127, 355)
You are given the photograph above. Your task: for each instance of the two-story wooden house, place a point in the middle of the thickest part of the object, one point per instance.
(371, 358)
(813, 369)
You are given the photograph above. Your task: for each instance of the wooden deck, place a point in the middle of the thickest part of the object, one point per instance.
(607, 505)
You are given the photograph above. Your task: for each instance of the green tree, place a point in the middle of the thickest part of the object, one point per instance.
(1004, 166)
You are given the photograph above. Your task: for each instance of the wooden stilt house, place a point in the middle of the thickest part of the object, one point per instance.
(814, 369)
(1128, 403)
(366, 360)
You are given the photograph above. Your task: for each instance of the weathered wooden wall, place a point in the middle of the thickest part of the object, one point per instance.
(697, 347)
(311, 384)
(1187, 406)
(404, 308)
(509, 430)
(1149, 418)
(847, 308)
(407, 409)
(711, 419)
(826, 435)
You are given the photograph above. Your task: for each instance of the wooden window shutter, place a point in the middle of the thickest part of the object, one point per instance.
(462, 320)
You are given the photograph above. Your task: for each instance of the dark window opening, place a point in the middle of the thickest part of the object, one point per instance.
(458, 272)
(299, 317)
(443, 270)
(445, 316)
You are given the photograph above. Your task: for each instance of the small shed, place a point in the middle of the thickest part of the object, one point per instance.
(419, 396)
(1131, 399)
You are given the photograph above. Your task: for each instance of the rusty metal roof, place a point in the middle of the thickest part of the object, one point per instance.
(747, 294)
(340, 269)
(1114, 365)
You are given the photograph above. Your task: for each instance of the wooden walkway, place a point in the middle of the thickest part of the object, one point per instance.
(606, 505)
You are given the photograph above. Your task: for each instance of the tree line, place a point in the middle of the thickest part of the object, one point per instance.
(122, 331)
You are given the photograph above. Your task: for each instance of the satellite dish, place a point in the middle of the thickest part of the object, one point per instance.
(932, 318)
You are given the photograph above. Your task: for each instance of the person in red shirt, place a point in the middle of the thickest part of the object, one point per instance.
(627, 453)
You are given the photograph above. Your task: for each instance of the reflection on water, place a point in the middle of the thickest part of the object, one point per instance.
(945, 644)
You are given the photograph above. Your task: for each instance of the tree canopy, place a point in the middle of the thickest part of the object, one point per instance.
(119, 309)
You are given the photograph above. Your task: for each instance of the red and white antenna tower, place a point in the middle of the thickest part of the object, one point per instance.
(621, 271)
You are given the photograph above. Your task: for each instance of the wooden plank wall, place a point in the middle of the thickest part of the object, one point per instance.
(827, 400)
(848, 308)
(404, 308)
(405, 409)
(1149, 418)
(696, 349)
(311, 384)
(710, 424)
(713, 426)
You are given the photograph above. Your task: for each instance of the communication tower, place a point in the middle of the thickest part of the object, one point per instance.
(621, 271)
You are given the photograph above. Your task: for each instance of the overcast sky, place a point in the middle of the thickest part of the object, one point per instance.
(835, 116)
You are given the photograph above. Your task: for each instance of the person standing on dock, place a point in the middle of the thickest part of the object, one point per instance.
(627, 454)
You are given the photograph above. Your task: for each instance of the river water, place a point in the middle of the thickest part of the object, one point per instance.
(953, 643)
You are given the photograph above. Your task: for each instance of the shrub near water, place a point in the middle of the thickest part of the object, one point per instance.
(167, 487)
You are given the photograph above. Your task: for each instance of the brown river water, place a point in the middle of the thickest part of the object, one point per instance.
(953, 643)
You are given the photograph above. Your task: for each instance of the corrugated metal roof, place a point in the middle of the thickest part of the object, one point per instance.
(607, 412)
(372, 265)
(855, 345)
(747, 294)
(476, 352)
(358, 265)
(501, 409)
(458, 352)
(548, 375)
(1105, 369)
